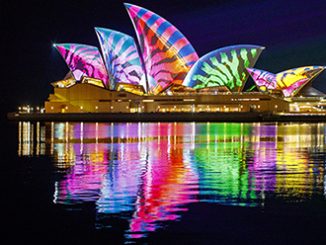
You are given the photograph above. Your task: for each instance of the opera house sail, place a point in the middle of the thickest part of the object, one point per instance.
(289, 82)
(224, 67)
(84, 60)
(160, 71)
(167, 54)
(121, 57)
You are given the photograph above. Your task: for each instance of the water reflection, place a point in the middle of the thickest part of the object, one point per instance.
(30, 139)
(148, 172)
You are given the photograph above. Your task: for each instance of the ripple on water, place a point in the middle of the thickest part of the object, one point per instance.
(147, 173)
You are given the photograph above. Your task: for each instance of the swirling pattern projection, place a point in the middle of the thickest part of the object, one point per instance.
(293, 80)
(289, 82)
(121, 57)
(83, 60)
(167, 54)
(264, 80)
(224, 67)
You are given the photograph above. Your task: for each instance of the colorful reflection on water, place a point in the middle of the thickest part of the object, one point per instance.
(146, 173)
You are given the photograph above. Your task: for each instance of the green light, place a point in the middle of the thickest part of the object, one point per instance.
(224, 67)
(221, 162)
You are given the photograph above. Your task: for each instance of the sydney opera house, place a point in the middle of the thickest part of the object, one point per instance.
(163, 73)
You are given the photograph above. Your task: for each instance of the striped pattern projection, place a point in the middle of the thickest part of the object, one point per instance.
(167, 54)
(264, 80)
(121, 57)
(83, 60)
(291, 81)
(224, 67)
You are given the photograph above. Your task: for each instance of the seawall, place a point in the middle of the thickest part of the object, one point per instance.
(168, 117)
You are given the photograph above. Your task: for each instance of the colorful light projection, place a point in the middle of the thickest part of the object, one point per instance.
(293, 80)
(83, 60)
(134, 89)
(264, 80)
(67, 83)
(223, 67)
(290, 82)
(167, 54)
(121, 57)
(93, 81)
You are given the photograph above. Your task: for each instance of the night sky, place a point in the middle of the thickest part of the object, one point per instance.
(293, 32)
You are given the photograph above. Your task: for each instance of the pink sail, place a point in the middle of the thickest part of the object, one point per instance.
(289, 82)
(263, 79)
(121, 57)
(167, 54)
(84, 60)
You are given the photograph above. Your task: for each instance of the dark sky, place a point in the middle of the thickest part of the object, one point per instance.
(293, 32)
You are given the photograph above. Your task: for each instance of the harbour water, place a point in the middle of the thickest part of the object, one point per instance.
(170, 182)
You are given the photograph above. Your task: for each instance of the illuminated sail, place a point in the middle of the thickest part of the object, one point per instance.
(224, 67)
(121, 57)
(290, 82)
(83, 60)
(167, 54)
(293, 80)
(264, 80)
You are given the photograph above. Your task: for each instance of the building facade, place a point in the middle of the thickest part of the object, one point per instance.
(87, 98)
